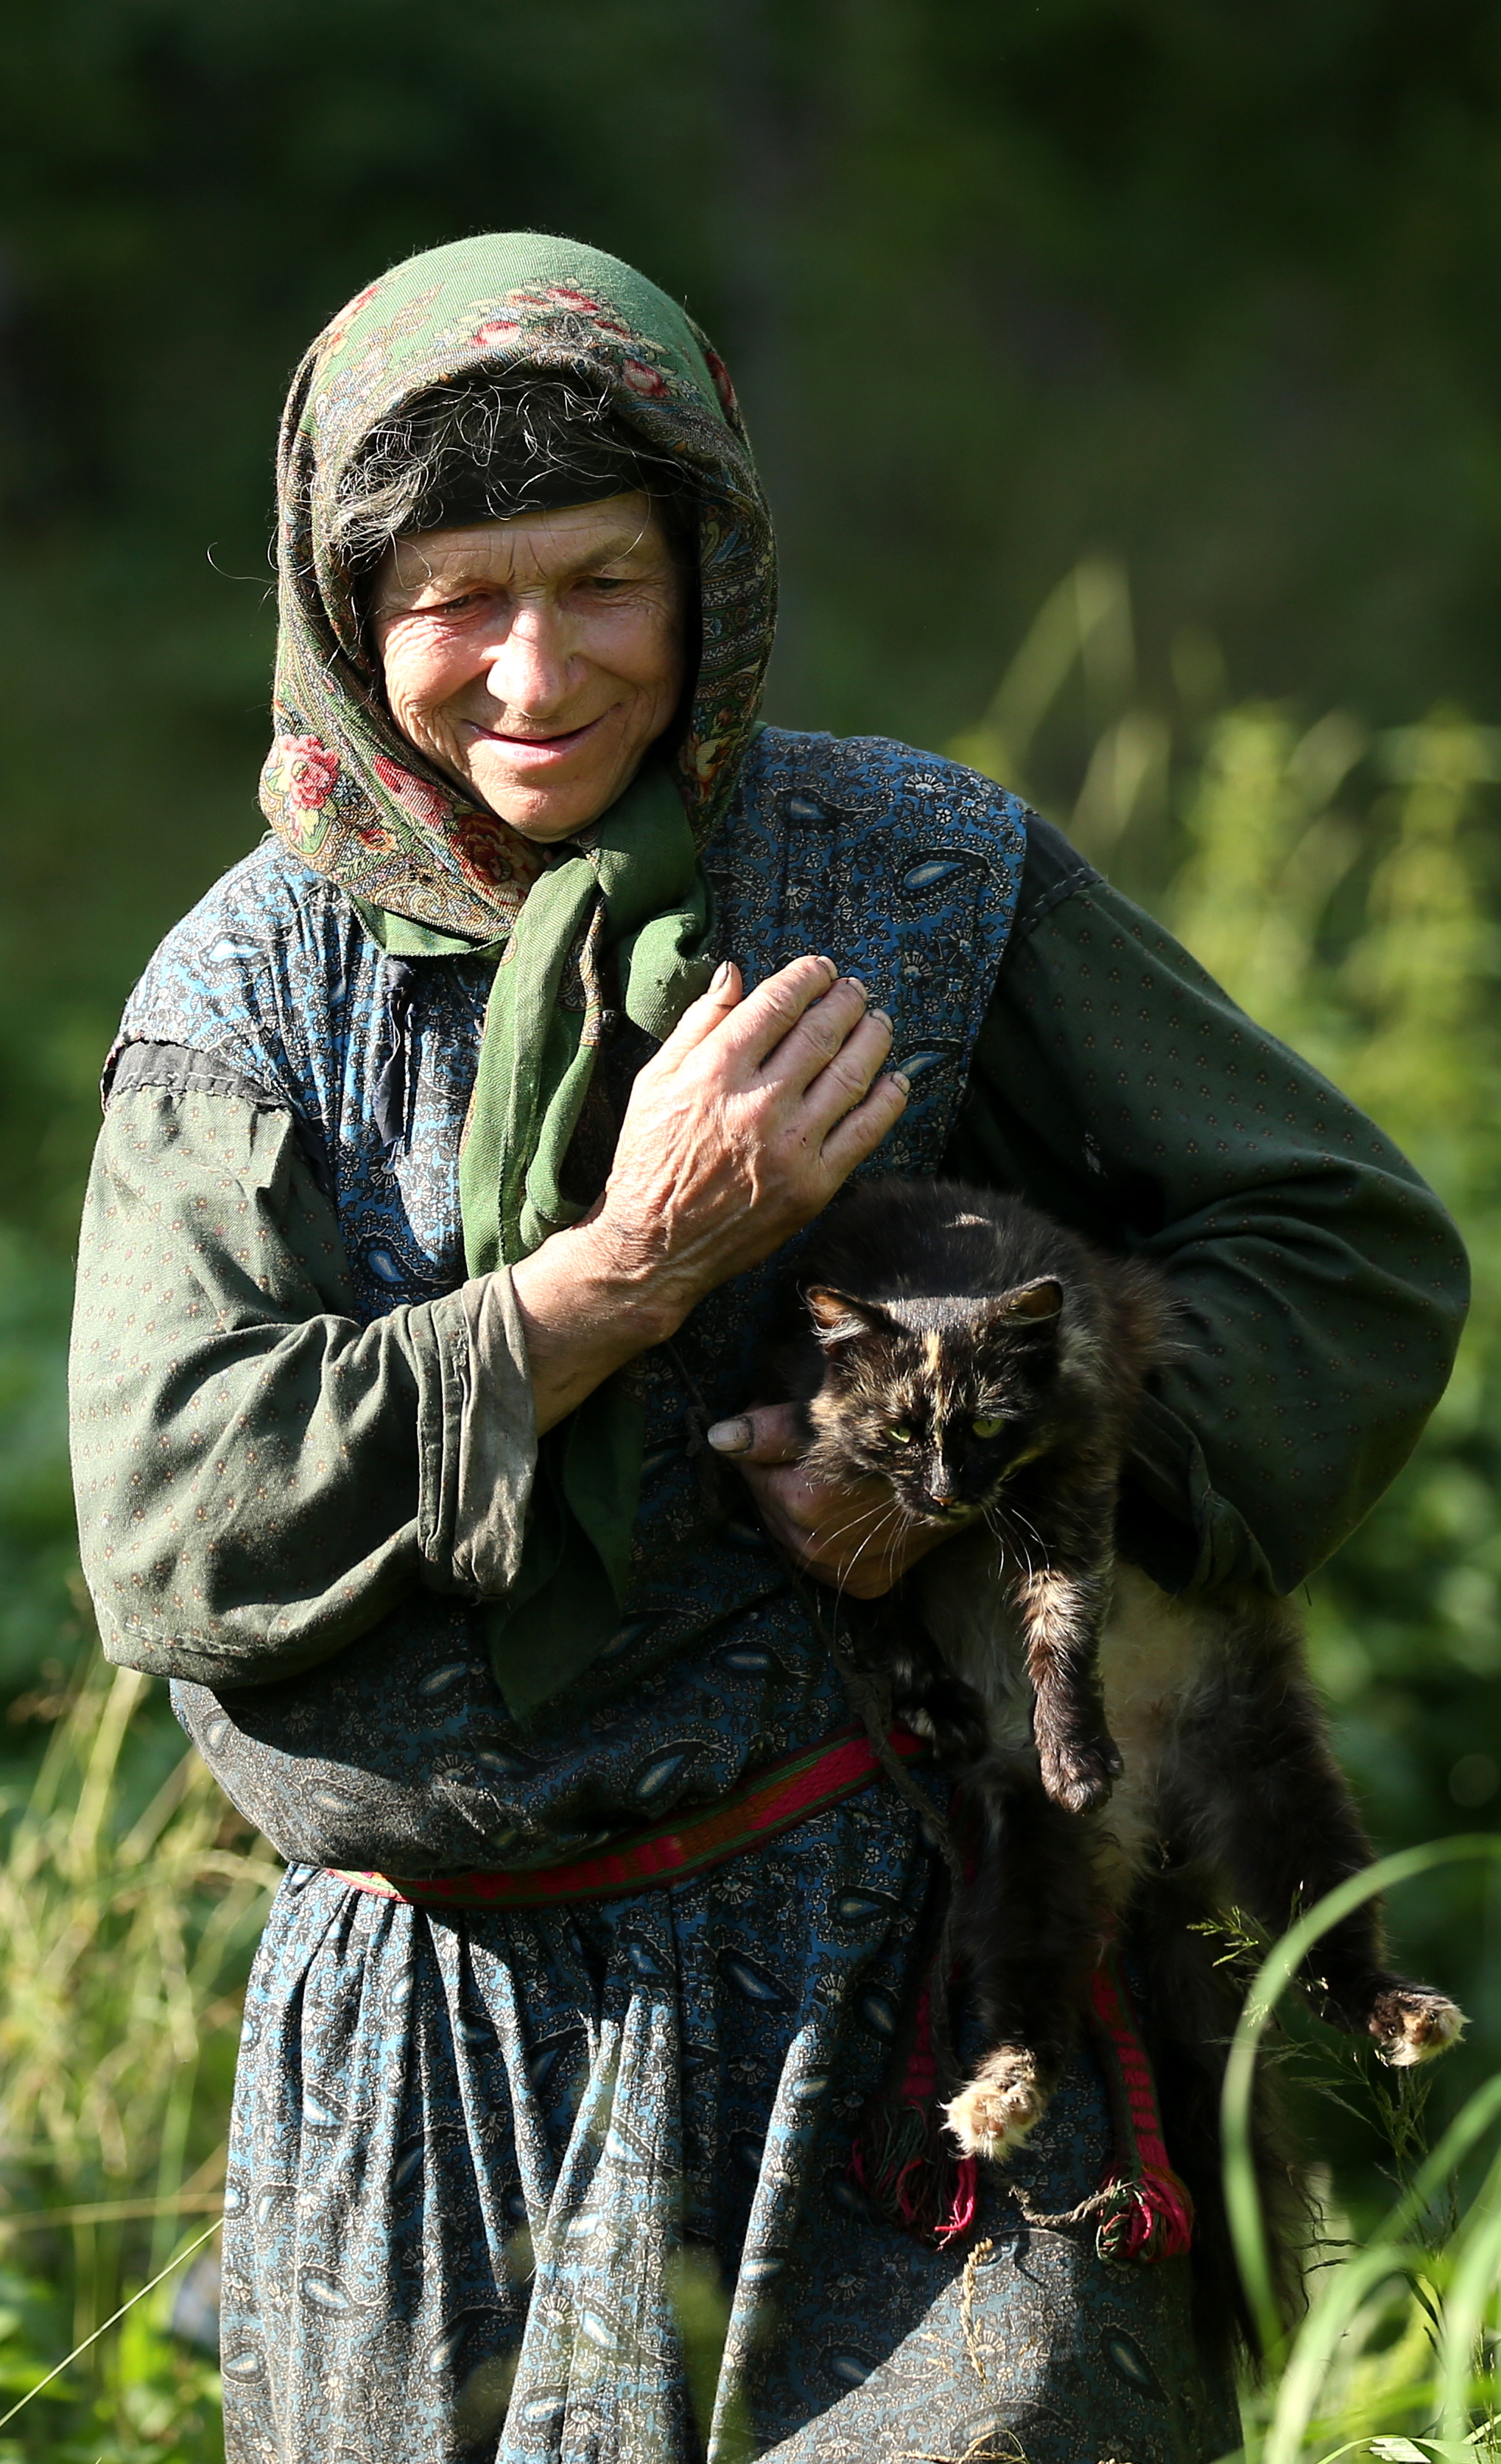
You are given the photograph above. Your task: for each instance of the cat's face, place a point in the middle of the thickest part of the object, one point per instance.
(943, 1399)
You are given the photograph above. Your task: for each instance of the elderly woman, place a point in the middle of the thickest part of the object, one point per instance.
(446, 1143)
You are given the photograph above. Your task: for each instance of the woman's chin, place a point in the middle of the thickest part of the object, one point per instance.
(545, 811)
(548, 809)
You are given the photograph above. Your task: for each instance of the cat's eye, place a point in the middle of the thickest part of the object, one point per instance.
(987, 1428)
(900, 1437)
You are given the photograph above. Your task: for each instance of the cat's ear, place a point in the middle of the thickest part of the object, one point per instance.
(839, 1317)
(1034, 1304)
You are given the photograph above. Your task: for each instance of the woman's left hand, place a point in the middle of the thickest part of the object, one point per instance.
(855, 1539)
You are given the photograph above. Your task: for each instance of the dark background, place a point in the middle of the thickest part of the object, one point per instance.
(1208, 291)
(1209, 286)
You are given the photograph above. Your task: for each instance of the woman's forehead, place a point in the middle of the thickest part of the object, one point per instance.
(554, 541)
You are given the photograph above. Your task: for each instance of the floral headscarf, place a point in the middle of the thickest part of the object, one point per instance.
(341, 786)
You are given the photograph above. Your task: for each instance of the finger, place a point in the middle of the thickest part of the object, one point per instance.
(812, 1040)
(710, 1010)
(806, 1520)
(847, 1079)
(775, 1433)
(861, 1130)
(768, 1014)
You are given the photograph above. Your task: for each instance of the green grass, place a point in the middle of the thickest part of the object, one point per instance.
(128, 1907)
(1398, 2342)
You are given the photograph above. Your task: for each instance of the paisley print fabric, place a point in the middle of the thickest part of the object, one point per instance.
(577, 2185)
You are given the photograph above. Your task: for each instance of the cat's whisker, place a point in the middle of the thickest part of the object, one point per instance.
(890, 1515)
(893, 1515)
(1012, 1543)
(1016, 1518)
(817, 1530)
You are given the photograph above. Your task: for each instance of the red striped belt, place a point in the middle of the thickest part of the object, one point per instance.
(672, 1852)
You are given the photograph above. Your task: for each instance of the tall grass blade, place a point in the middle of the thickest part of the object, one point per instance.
(1276, 1972)
(112, 2322)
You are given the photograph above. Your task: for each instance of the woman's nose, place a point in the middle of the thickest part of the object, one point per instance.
(528, 668)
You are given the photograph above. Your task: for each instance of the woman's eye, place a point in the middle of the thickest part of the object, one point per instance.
(987, 1428)
(901, 1437)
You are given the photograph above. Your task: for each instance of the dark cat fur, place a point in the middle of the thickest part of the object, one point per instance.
(917, 1304)
(1010, 1353)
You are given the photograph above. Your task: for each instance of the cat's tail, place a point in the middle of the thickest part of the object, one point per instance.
(1192, 2002)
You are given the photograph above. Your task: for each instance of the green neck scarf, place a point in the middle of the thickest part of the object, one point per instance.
(629, 890)
(435, 877)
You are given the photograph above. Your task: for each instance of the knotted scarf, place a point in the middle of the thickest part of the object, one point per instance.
(630, 892)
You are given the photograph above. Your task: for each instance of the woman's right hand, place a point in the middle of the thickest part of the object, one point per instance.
(742, 1128)
(738, 1132)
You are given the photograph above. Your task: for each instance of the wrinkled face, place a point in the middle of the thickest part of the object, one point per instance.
(944, 1414)
(535, 660)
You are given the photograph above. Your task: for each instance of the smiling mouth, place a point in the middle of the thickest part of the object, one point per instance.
(558, 743)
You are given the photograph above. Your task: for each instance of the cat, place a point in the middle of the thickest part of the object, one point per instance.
(980, 1359)
(983, 1362)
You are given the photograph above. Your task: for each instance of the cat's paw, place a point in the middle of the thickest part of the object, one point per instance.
(1411, 2024)
(1079, 1772)
(1006, 2099)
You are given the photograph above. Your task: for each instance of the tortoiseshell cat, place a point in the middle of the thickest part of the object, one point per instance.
(983, 1360)
(984, 1363)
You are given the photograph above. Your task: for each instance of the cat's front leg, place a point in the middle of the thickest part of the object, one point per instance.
(1063, 1609)
(1028, 1928)
(893, 1646)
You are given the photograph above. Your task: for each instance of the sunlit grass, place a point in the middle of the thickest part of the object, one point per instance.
(127, 1912)
(1398, 2339)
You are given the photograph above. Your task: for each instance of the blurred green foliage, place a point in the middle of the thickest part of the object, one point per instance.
(1204, 288)
(129, 1899)
(1194, 291)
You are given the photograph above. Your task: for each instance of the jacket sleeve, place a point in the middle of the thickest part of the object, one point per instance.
(1320, 1287)
(260, 1476)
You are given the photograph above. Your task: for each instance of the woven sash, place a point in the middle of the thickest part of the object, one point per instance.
(671, 1852)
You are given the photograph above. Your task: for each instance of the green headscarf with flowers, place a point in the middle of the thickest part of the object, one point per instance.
(434, 875)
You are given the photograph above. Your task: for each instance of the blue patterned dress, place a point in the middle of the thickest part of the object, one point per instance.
(574, 2182)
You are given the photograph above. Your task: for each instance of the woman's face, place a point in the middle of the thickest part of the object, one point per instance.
(536, 659)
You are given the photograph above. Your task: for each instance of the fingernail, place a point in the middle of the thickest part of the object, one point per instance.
(720, 976)
(731, 1437)
(856, 984)
(825, 961)
(899, 1078)
(884, 1014)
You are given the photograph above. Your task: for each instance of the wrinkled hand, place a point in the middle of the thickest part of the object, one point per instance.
(742, 1128)
(855, 1539)
(738, 1132)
